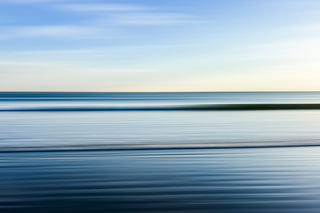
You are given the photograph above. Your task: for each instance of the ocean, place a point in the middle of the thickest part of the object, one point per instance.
(160, 152)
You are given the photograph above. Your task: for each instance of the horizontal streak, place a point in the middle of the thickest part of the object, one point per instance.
(137, 147)
(195, 107)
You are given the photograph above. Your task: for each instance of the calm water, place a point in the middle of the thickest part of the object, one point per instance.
(96, 152)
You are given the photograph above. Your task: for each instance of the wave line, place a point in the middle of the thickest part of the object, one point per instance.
(195, 107)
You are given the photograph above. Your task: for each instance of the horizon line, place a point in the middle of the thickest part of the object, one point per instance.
(266, 91)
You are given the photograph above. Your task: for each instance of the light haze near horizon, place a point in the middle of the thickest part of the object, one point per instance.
(152, 46)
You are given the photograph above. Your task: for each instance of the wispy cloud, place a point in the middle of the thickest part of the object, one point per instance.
(48, 31)
(156, 18)
(29, 1)
(129, 14)
(295, 3)
(90, 7)
(101, 22)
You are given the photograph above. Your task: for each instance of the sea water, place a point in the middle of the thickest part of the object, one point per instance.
(159, 152)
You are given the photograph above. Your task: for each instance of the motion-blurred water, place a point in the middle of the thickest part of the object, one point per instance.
(128, 152)
(232, 180)
(67, 120)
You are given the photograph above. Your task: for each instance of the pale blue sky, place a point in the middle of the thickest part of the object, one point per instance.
(159, 45)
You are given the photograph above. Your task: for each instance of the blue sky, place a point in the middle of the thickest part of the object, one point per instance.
(159, 45)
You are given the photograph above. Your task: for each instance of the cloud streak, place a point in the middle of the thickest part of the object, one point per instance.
(151, 19)
(98, 20)
(90, 7)
(30, 1)
(63, 31)
(129, 14)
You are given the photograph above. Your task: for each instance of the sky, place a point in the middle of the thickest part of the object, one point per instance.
(159, 45)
